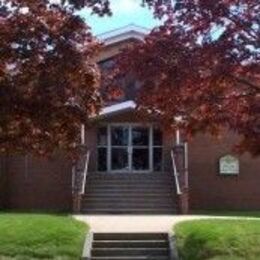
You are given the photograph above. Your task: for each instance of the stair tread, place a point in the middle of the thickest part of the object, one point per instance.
(129, 210)
(130, 258)
(129, 252)
(122, 193)
(135, 236)
(130, 243)
(130, 246)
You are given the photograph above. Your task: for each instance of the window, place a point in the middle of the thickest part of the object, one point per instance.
(125, 86)
(157, 149)
(129, 148)
(102, 140)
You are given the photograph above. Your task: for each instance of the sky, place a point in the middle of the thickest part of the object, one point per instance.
(125, 12)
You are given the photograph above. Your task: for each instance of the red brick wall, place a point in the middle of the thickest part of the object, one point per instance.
(40, 184)
(46, 184)
(209, 189)
(2, 181)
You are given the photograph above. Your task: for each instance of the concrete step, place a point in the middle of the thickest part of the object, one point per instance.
(148, 189)
(130, 246)
(129, 211)
(145, 179)
(130, 252)
(131, 185)
(114, 195)
(126, 205)
(129, 200)
(130, 180)
(130, 236)
(125, 193)
(130, 243)
(130, 258)
(161, 175)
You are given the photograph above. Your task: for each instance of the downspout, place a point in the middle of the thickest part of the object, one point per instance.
(178, 138)
(186, 165)
(82, 134)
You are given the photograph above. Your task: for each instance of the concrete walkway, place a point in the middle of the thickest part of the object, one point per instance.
(132, 223)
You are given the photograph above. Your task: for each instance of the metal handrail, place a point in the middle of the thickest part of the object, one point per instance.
(176, 174)
(85, 173)
(73, 178)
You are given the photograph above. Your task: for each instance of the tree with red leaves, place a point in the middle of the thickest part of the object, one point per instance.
(48, 77)
(203, 67)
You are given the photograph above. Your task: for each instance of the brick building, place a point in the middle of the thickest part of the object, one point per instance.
(132, 165)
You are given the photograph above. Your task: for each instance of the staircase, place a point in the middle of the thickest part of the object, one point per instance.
(130, 246)
(129, 194)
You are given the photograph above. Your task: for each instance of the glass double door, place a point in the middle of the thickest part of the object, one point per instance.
(130, 148)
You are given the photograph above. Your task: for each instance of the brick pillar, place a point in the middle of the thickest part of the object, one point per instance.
(183, 198)
(183, 202)
(76, 203)
(79, 165)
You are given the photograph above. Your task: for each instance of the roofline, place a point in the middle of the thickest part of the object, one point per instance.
(123, 33)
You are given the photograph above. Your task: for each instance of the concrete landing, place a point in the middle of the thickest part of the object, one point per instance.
(130, 223)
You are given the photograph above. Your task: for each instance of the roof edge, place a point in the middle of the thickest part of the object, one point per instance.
(123, 33)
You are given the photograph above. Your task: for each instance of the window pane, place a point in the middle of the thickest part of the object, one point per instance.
(119, 159)
(140, 136)
(102, 159)
(157, 159)
(157, 136)
(119, 135)
(102, 136)
(140, 159)
(107, 64)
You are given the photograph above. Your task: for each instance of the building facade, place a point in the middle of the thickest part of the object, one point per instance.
(133, 165)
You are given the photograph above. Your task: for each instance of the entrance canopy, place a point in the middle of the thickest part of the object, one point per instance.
(116, 109)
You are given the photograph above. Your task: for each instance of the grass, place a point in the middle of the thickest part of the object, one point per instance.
(218, 239)
(40, 236)
(227, 213)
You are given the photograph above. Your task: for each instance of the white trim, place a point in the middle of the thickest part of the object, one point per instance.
(127, 105)
(186, 164)
(82, 134)
(178, 138)
(130, 31)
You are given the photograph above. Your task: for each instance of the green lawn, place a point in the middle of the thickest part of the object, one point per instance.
(218, 239)
(40, 236)
(231, 213)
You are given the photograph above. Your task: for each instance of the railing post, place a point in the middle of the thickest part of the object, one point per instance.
(76, 203)
(77, 178)
(183, 198)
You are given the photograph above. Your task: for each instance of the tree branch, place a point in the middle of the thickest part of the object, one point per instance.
(246, 82)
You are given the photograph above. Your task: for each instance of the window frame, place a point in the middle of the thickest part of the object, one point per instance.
(151, 146)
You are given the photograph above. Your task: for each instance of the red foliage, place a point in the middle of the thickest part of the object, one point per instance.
(203, 65)
(48, 79)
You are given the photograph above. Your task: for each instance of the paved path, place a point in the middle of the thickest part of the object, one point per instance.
(131, 223)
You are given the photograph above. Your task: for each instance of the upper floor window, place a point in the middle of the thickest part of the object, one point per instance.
(123, 88)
